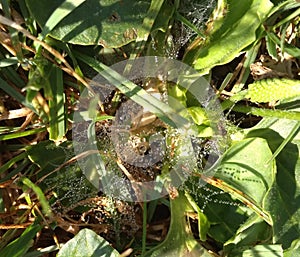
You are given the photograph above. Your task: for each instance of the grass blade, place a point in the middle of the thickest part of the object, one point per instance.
(55, 94)
(21, 134)
(289, 138)
(143, 34)
(15, 94)
(136, 93)
(59, 14)
(40, 195)
(21, 245)
(12, 162)
(8, 62)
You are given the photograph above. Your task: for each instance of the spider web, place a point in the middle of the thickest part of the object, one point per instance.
(198, 13)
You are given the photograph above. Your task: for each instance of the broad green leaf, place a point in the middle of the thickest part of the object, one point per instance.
(21, 245)
(222, 212)
(59, 14)
(179, 241)
(270, 90)
(249, 233)
(282, 200)
(39, 154)
(237, 32)
(293, 250)
(110, 23)
(258, 250)
(199, 117)
(87, 244)
(246, 167)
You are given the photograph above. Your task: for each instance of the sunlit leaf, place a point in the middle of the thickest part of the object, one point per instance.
(111, 23)
(283, 199)
(270, 90)
(87, 244)
(227, 43)
(179, 241)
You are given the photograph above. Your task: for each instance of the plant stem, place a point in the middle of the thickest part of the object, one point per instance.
(144, 228)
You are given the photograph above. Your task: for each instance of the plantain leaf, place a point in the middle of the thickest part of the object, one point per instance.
(237, 32)
(111, 23)
(282, 201)
(247, 169)
(87, 244)
(59, 14)
(270, 90)
(258, 250)
(179, 241)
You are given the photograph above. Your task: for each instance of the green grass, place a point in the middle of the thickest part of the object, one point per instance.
(54, 154)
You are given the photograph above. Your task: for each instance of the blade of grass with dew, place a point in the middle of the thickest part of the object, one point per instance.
(134, 92)
(59, 14)
(189, 24)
